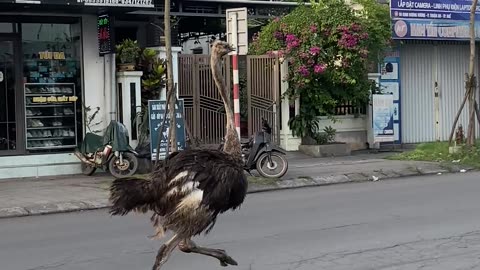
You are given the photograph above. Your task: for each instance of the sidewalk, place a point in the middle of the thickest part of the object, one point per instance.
(23, 197)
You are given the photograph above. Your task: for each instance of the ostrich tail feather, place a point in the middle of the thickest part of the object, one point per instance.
(131, 194)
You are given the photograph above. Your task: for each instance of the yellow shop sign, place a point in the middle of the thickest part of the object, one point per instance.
(52, 55)
(53, 99)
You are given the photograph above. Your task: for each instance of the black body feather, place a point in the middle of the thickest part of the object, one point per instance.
(217, 174)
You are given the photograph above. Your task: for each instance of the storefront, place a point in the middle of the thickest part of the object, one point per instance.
(433, 43)
(50, 69)
(41, 104)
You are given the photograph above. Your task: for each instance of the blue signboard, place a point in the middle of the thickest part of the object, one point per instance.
(433, 30)
(156, 111)
(457, 10)
(433, 19)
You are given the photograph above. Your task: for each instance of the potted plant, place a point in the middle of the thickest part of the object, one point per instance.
(154, 75)
(128, 52)
(153, 80)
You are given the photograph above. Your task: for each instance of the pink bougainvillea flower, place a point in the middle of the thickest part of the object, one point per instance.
(292, 41)
(314, 50)
(342, 28)
(355, 27)
(293, 44)
(313, 28)
(348, 41)
(303, 55)
(303, 70)
(278, 35)
(364, 35)
(290, 38)
(318, 69)
(271, 53)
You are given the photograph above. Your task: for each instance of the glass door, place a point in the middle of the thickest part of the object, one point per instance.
(9, 97)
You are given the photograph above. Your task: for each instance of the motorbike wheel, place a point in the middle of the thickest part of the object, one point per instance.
(279, 163)
(127, 169)
(87, 169)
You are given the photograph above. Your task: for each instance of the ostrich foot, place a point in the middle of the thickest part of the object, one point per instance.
(188, 246)
(165, 251)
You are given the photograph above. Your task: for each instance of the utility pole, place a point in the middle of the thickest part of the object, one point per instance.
(171, 95)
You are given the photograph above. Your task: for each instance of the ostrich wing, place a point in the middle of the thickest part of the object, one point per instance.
(220, 178)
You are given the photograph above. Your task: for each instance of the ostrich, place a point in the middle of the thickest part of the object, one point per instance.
(191, 188)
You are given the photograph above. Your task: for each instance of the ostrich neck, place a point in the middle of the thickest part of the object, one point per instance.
(232, 143)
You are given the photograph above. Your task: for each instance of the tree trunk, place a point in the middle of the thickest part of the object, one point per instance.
(172, 135)
(470, 85)
(477, 112)
(471, 78)
(455, 121)
(160, 132)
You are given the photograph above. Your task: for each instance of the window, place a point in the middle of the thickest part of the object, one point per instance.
(52, 85)
(6, 27)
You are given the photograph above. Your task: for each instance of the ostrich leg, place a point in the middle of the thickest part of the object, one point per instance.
(188, 246)
(165, 251)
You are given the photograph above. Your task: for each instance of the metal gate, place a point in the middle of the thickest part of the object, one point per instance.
(263, 86)
(204, 109)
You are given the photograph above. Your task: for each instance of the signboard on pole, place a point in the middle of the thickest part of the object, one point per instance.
(156, 111)
(382, 114)
(433, 19)
(237, 29)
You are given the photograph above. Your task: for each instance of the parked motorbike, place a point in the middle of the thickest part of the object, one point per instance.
(110, 152)
(260, 154)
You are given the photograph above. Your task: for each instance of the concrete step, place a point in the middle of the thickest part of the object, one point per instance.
(39, 165)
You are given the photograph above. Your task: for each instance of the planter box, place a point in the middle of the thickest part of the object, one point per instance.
(327, 150)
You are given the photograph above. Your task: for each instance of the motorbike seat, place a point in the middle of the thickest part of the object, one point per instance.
(244, 141)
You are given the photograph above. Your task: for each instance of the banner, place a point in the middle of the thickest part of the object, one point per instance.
(156, 111)
(383, 118)
(457, 10)
(433, 30)
(390, 84)
(433, 19)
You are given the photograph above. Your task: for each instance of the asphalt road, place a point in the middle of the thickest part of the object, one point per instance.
(417, 223)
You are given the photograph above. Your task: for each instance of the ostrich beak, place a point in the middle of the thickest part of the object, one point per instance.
(231, 48)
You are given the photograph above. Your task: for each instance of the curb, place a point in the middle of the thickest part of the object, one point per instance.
(78, 206)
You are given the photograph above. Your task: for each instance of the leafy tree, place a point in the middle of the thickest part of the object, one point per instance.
(328, 46)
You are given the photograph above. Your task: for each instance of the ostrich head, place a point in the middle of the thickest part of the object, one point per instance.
(221, 48)
(232, 143)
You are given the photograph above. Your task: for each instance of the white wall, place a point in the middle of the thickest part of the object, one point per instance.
(190, 44)
(95, 83)
(350, 129)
